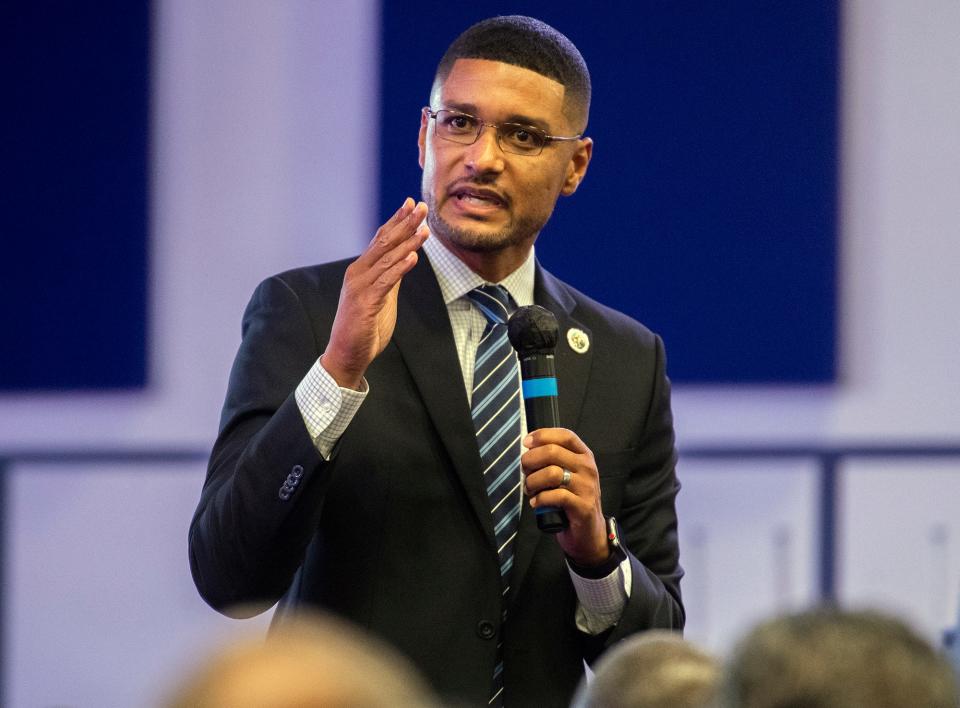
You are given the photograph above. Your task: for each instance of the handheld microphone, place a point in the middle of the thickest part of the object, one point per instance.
(533, 332)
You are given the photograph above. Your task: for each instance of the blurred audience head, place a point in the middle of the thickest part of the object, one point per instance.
(307, 661)
(829, 658)
(656, 669)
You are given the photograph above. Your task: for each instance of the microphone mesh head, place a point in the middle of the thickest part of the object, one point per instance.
(533, 330)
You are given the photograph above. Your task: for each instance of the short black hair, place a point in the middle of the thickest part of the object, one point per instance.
(531, 44)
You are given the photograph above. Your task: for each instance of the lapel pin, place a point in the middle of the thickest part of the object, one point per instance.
(578, 340)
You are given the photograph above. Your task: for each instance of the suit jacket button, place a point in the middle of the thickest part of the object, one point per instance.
(296, 472)
(486, 629)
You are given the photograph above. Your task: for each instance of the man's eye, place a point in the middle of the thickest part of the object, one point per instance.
(459, 123)
(521, 137)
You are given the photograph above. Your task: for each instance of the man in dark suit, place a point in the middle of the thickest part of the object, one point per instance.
(351, 472)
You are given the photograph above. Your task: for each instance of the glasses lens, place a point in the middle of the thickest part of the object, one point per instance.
(512, 137)
(458, 127)
(521, 139)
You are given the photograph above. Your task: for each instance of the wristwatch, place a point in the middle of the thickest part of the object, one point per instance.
(617, 555)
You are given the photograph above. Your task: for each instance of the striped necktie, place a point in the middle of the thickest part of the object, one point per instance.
(495, 407)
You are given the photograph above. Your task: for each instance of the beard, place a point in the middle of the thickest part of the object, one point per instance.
(515, 233)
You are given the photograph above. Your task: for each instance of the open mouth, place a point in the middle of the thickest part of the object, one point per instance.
(478, 197)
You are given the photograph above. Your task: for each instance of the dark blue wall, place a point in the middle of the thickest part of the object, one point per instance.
(73, 194)
(709, 211)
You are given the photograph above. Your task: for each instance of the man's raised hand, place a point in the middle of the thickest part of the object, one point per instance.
(367, 311)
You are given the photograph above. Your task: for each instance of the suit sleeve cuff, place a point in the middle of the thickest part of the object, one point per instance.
(326, 408)
(601, 601)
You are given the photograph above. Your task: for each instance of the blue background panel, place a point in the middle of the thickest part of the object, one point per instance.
(709, 211)
(73, 215)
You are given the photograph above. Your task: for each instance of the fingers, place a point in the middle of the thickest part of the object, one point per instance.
(397, 237)
(553, 459)
(555, 436)
(560, 471)
(556, 446)
(394, 264)
(559, 460)
(392, 252)
(552, 477)
(367, 311)
(389, 256)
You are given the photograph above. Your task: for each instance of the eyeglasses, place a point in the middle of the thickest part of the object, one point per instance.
(514, 138)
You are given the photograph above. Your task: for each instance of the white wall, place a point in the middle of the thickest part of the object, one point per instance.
(749, 543)
(263, 161)
(901, 223)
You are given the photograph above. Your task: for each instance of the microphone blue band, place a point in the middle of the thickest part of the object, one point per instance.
(538, 388)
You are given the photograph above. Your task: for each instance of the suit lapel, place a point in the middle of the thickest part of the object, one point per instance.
(425, 341)
(573, 370)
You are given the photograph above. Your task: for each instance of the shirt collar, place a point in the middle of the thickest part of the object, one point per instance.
(456, 279)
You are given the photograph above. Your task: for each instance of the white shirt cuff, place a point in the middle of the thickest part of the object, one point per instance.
(602, 600)
(326, 408)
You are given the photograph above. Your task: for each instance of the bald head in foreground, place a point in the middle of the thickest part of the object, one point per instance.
(307, 662)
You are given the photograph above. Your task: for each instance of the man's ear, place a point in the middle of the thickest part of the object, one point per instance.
(422, 138)
(577, 166)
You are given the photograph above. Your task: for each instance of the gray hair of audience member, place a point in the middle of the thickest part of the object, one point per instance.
(305, 661)
(830, 658)
(655, 669)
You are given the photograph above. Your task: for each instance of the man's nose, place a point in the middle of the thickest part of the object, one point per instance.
(485, 155)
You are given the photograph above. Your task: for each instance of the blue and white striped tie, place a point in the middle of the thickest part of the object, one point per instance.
(495, 407)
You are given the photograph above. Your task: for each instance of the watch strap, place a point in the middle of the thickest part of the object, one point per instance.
(613, 561)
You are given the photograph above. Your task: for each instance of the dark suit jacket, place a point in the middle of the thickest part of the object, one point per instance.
(394, 532)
